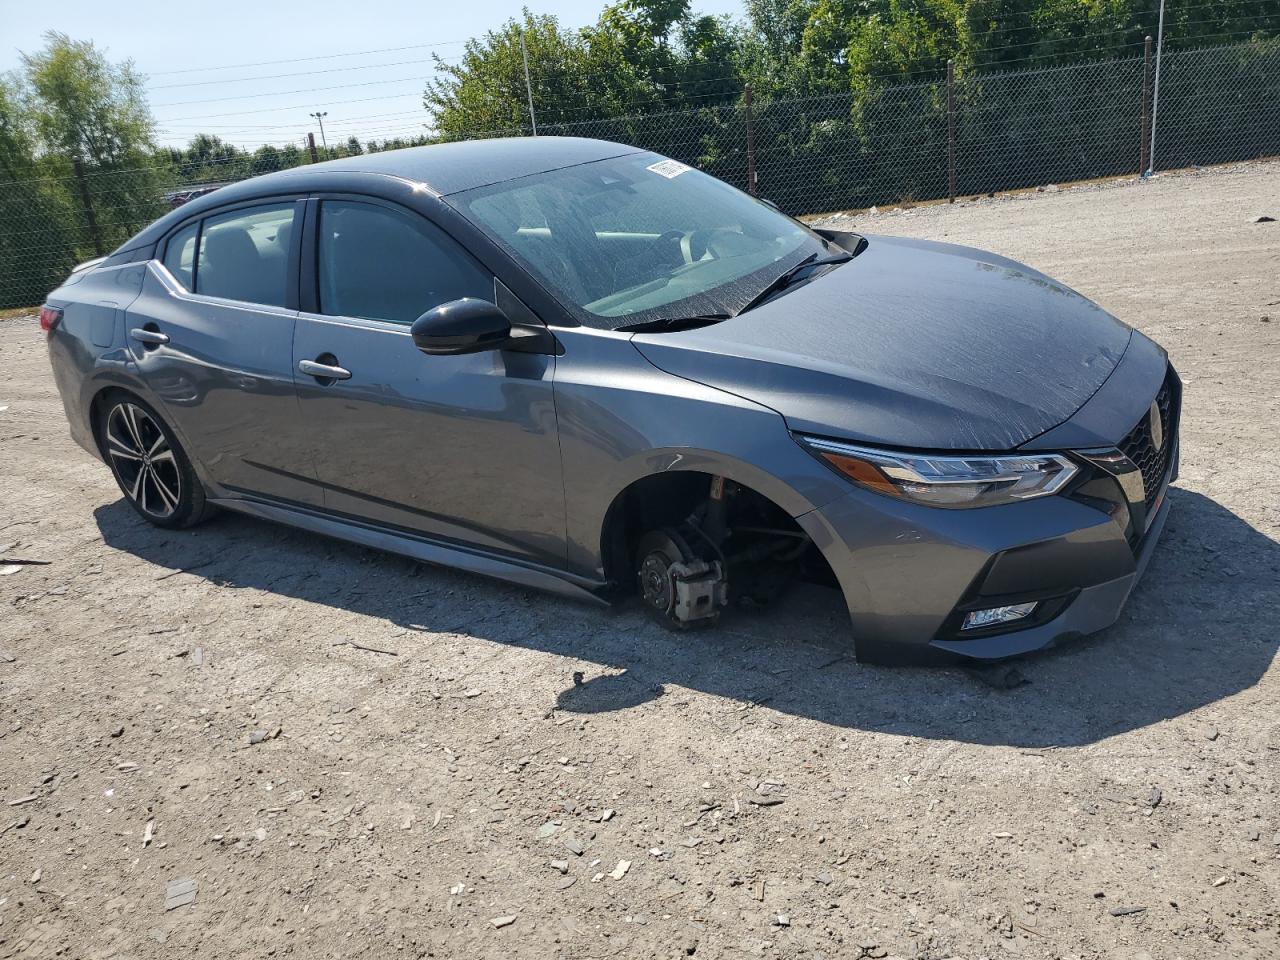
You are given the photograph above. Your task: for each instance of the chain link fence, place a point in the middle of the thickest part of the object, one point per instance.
(951, 136)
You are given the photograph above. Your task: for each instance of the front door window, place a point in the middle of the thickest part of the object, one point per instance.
(381, 264)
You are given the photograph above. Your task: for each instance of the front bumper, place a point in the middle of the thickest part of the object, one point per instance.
(1092, 609)
(910, 572)
(907, 571)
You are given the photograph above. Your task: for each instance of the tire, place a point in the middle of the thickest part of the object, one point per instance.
(657, 552)
(150, 466)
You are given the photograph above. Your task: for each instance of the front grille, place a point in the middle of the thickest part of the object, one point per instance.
(1139, 446)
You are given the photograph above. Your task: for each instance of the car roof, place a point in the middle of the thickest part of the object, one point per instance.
(466, 164)
(442, 168)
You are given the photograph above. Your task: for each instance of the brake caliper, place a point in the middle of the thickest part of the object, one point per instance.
(701, 589)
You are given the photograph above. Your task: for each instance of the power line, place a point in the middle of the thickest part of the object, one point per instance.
(287, 93)
(202, 128)
(902, 78)
(561, 71)
(326, 56)
(300, 106)
(445, 43)
(307, 73)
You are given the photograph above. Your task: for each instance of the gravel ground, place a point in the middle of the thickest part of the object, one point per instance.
(181, 706)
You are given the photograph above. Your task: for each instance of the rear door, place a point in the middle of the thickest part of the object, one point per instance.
(457, 448)
(212, 335)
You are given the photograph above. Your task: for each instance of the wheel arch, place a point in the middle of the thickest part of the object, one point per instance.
(98, 397)
(98, 393)
(666, 485)
(98, 403)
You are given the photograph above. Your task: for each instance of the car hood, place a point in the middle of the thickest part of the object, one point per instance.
(912, 344)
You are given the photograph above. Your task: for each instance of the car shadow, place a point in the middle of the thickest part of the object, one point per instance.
(1200, 627)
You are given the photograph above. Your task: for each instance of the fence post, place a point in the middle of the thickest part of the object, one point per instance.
(951, 131)
(311, 145)
(747, 100)
(89, 213)
(1155, 95)
(1144, 145)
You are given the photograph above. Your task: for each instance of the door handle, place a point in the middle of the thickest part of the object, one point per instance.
(323, 371)
(152, 337)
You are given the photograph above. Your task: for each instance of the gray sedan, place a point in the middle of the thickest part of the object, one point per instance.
(587, 368)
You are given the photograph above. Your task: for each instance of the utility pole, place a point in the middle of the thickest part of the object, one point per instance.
(528, 87)
(311, 146)
(320, 120)
(1155, 97)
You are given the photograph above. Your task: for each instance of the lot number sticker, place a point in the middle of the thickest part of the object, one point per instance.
(669, 168)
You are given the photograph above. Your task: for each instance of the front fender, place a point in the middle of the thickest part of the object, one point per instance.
(622, 419)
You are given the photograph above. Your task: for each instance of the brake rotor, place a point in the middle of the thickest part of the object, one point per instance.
(660, 551)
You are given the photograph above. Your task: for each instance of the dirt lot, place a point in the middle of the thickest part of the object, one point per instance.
(410, 801)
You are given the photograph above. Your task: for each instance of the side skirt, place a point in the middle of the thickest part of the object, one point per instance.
(428, 551)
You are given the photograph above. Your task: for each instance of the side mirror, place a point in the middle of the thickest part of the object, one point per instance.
(461, 326)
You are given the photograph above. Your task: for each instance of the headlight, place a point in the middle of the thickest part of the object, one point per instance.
(947, 481)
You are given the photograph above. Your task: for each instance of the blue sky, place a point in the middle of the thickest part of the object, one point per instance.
(215, 73)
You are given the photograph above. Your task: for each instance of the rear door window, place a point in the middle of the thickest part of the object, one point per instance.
(180, 255)
(244, 255)
(383, 264)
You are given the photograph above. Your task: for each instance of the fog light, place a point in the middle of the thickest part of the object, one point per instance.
(977, 619)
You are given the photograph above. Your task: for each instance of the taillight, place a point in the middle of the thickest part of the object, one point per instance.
(50, 317)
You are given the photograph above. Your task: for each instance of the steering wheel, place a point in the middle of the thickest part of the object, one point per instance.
(698, 245)
(667, 244)
(693, 245)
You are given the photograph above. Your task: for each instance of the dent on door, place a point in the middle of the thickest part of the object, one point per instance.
(222, 371)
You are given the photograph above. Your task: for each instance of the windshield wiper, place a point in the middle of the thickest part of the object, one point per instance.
(667, 324)
(784, 281)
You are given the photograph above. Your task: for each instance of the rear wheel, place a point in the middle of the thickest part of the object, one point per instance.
(150, 466)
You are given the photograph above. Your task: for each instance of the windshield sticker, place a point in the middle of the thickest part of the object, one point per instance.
(669, 168)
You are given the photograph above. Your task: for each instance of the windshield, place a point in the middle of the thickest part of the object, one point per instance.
(639, 237)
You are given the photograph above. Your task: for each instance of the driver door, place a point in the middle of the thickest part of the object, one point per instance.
(457, 448)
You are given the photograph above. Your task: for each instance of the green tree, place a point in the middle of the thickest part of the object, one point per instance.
(17, 138)
(659, 55)
(36, 247)
(85, 107)
(640, 56)
(485, 91)
(266, 159)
